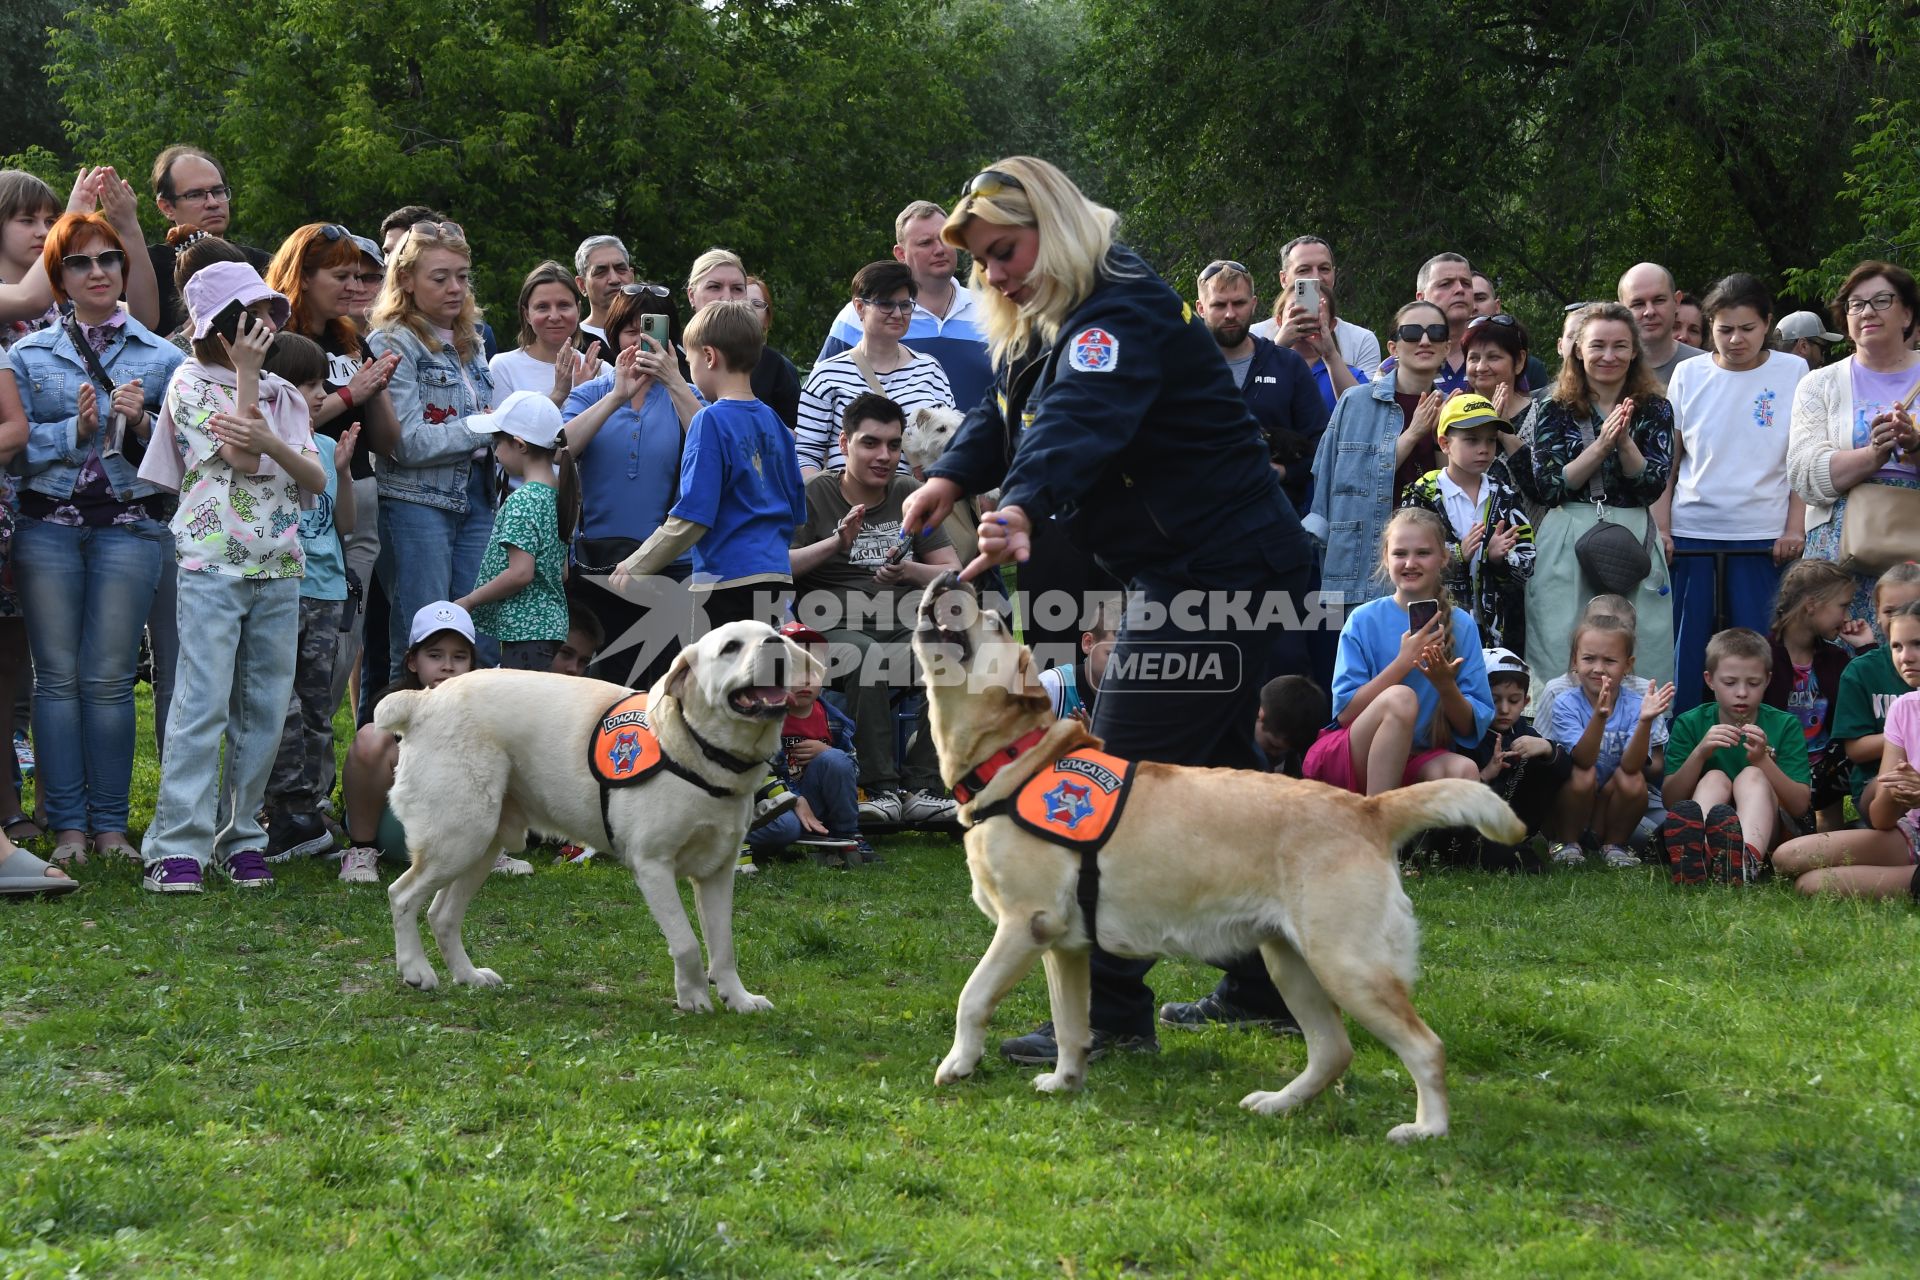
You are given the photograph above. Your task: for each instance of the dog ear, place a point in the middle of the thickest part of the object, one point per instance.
(677, 673)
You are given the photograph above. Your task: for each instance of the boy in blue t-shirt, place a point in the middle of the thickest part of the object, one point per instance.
(741, 496)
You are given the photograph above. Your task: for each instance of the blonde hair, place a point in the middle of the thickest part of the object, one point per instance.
(1807, 582)
(1611, 606)
(1076, 237)
(1226, 275)
(732, 328)
(706, 263)
(395, 308)
(1606, 624)
(1904, 574)
(913, 213)
(1571, 389)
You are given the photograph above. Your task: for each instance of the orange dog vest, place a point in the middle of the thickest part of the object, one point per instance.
(1075, 801)
(623, 749)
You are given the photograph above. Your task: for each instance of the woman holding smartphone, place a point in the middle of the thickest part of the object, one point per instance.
(1115, 416)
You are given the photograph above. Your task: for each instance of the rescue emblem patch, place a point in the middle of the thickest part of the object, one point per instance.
(624, 748)
(1094, 351)
(1076, 800)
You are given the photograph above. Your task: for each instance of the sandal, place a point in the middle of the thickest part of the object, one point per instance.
(22, 873)
(12, 828)
(72, 853)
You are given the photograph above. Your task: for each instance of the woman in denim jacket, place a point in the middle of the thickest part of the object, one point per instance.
(1379, 440)
(91, 539)
(436, 488)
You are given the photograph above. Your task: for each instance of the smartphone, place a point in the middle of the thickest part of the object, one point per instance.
(654, 325)
(1306, 294)
(900, 550)
(1420, 613)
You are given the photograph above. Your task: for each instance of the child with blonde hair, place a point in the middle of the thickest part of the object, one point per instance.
(1614, 736)
(1813, 641)
(1870, 684)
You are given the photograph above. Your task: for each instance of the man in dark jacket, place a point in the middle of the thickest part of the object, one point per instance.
(1276, 383)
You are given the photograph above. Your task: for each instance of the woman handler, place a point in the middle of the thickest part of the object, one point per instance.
(1114, 413)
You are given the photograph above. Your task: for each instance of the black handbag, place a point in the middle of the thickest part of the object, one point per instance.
(1613, 559)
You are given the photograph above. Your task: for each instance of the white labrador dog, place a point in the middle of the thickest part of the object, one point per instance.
(493, 755)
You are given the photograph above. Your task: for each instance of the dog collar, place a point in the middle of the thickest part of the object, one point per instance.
(725, 759)
(976, 780)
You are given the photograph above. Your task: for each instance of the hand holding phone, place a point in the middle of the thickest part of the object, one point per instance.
(1420, 613)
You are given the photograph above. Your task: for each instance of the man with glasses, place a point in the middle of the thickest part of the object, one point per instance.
(191, 189)
(601, 265)
(1311, 258)
(1486, 302)
(944, 323)
(1276, 383)
(1647, 290)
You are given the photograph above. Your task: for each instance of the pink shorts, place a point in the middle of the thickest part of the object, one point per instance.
(1330, 760)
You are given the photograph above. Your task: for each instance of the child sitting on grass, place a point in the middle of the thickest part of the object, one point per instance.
(519, 596)
(1406, 709)
(1524, 768)
(1613, 736)
(1870, 684)
(1813, 642)
(1879, 862)
(1738, 763)
(1489, 541)
(585, 637)
(816, 763)
(1292, 711)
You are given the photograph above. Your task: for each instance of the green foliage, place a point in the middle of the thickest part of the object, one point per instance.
(1552, 144)
(29, 109)
(790, 132)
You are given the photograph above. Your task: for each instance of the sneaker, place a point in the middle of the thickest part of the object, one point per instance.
(297, 835)
(1683, 836)
(360, 865)
(1567, 853)
(248, 869)
(1211, 1011)
(745, 866)
(1037, 1047)
(23, 752)
(1726, 845)
(767, 808)
(510, 866)
(865, 850)
(919, 809)
(173, 875)
(578, 855)
(1618, 856)
(881, 807)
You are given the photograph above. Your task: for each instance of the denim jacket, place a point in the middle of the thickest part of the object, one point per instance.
(1353, 489)
(432, 400)
(50, 374)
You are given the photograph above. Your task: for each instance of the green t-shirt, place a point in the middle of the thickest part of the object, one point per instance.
(529, 520)
(1867, 688)
(1785, 735)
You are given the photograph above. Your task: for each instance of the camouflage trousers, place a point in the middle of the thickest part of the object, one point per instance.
(306, 742)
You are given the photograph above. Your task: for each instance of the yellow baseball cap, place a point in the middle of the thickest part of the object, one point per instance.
(1468, 411)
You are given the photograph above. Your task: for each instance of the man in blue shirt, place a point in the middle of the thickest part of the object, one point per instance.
(1276, 384)
(944, 325)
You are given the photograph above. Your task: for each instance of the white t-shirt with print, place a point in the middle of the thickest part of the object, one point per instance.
(518, 371)
(1732, 481)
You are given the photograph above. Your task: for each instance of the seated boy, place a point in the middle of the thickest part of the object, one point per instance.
(1524, 768)
(1073, 688)
(585, 636)
(1735, 765)
(816, 762)
(1293, 709)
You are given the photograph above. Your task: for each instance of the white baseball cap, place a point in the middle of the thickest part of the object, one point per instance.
(524, 415)
(441, 615)
(1503, 661)
(1805, 324)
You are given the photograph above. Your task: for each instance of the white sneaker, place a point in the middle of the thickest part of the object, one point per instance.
(1568, 853)
(919, 808)
(360, 865)
(882, 806)
(506, 866)
(745, 866)
(1618, 855)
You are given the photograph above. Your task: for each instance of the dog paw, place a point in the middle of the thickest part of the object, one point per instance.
(958, 1066)
(1261, 1102)
(1056, 1082)
(479, 978)
(1406, 1134)
(693, 1003)
(419, 975)
(747, 1002)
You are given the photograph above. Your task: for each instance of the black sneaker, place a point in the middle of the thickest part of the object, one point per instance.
(297, 835)
(1037, 1047)
(1683, 836)
(1211, 1011)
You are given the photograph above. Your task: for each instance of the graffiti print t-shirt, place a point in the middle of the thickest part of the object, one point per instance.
(245, 526)
(851, 575)
(1731, 481)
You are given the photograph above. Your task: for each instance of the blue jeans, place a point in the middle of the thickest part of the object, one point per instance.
(427, 554)
(85, 594)
(233, 682)
(1750, 582)
(827, 785)
(163, 637)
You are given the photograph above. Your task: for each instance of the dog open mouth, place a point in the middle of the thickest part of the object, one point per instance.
(760, 702)
(945, 611)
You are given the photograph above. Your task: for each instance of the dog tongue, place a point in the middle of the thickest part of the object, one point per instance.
(768, 693)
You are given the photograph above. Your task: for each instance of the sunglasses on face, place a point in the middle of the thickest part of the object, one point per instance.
(200, 195)
(895, 306)
(989, 183)
(1414, 332)
(645, 290)
(111, 260)
(1215, 267)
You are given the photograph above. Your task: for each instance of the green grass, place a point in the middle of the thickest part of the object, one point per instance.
(1645, 1082)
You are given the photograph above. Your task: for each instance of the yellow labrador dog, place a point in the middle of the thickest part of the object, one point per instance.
(488, 757)
(1198, 862)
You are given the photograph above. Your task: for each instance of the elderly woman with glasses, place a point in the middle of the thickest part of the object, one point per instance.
(1115, 417)
(1852, 423)
(883, 294)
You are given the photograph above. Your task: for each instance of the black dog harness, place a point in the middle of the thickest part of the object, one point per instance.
(623, 750)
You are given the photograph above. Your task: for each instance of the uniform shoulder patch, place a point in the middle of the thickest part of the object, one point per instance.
(1094, 351)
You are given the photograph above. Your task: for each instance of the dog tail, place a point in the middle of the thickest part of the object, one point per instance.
(1449, 802)
(396, 711)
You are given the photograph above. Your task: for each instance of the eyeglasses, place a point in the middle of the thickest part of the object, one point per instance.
(437, 230)
(895, 306)
(989, 183)
(1218, 265)
(199, 195)
(111, 260)
(1504, 320)
(1878, 302)
(1413, 332)
(645, 290)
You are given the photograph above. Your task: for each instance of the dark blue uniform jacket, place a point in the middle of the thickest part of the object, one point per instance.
(1286, 404)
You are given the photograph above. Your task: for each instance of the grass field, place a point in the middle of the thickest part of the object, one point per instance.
(1645, 1082)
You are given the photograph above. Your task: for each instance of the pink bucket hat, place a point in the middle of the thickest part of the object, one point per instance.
(218, 285)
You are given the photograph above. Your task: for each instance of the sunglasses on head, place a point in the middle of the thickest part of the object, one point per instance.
(643, 289)
(1414, 332)
(1504, 320)
(989, 183)
(438, 230)
(110, 260)
(1218, 265)
(333, 232)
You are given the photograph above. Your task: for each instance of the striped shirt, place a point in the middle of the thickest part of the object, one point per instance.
(835, 384)
(957, 340)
